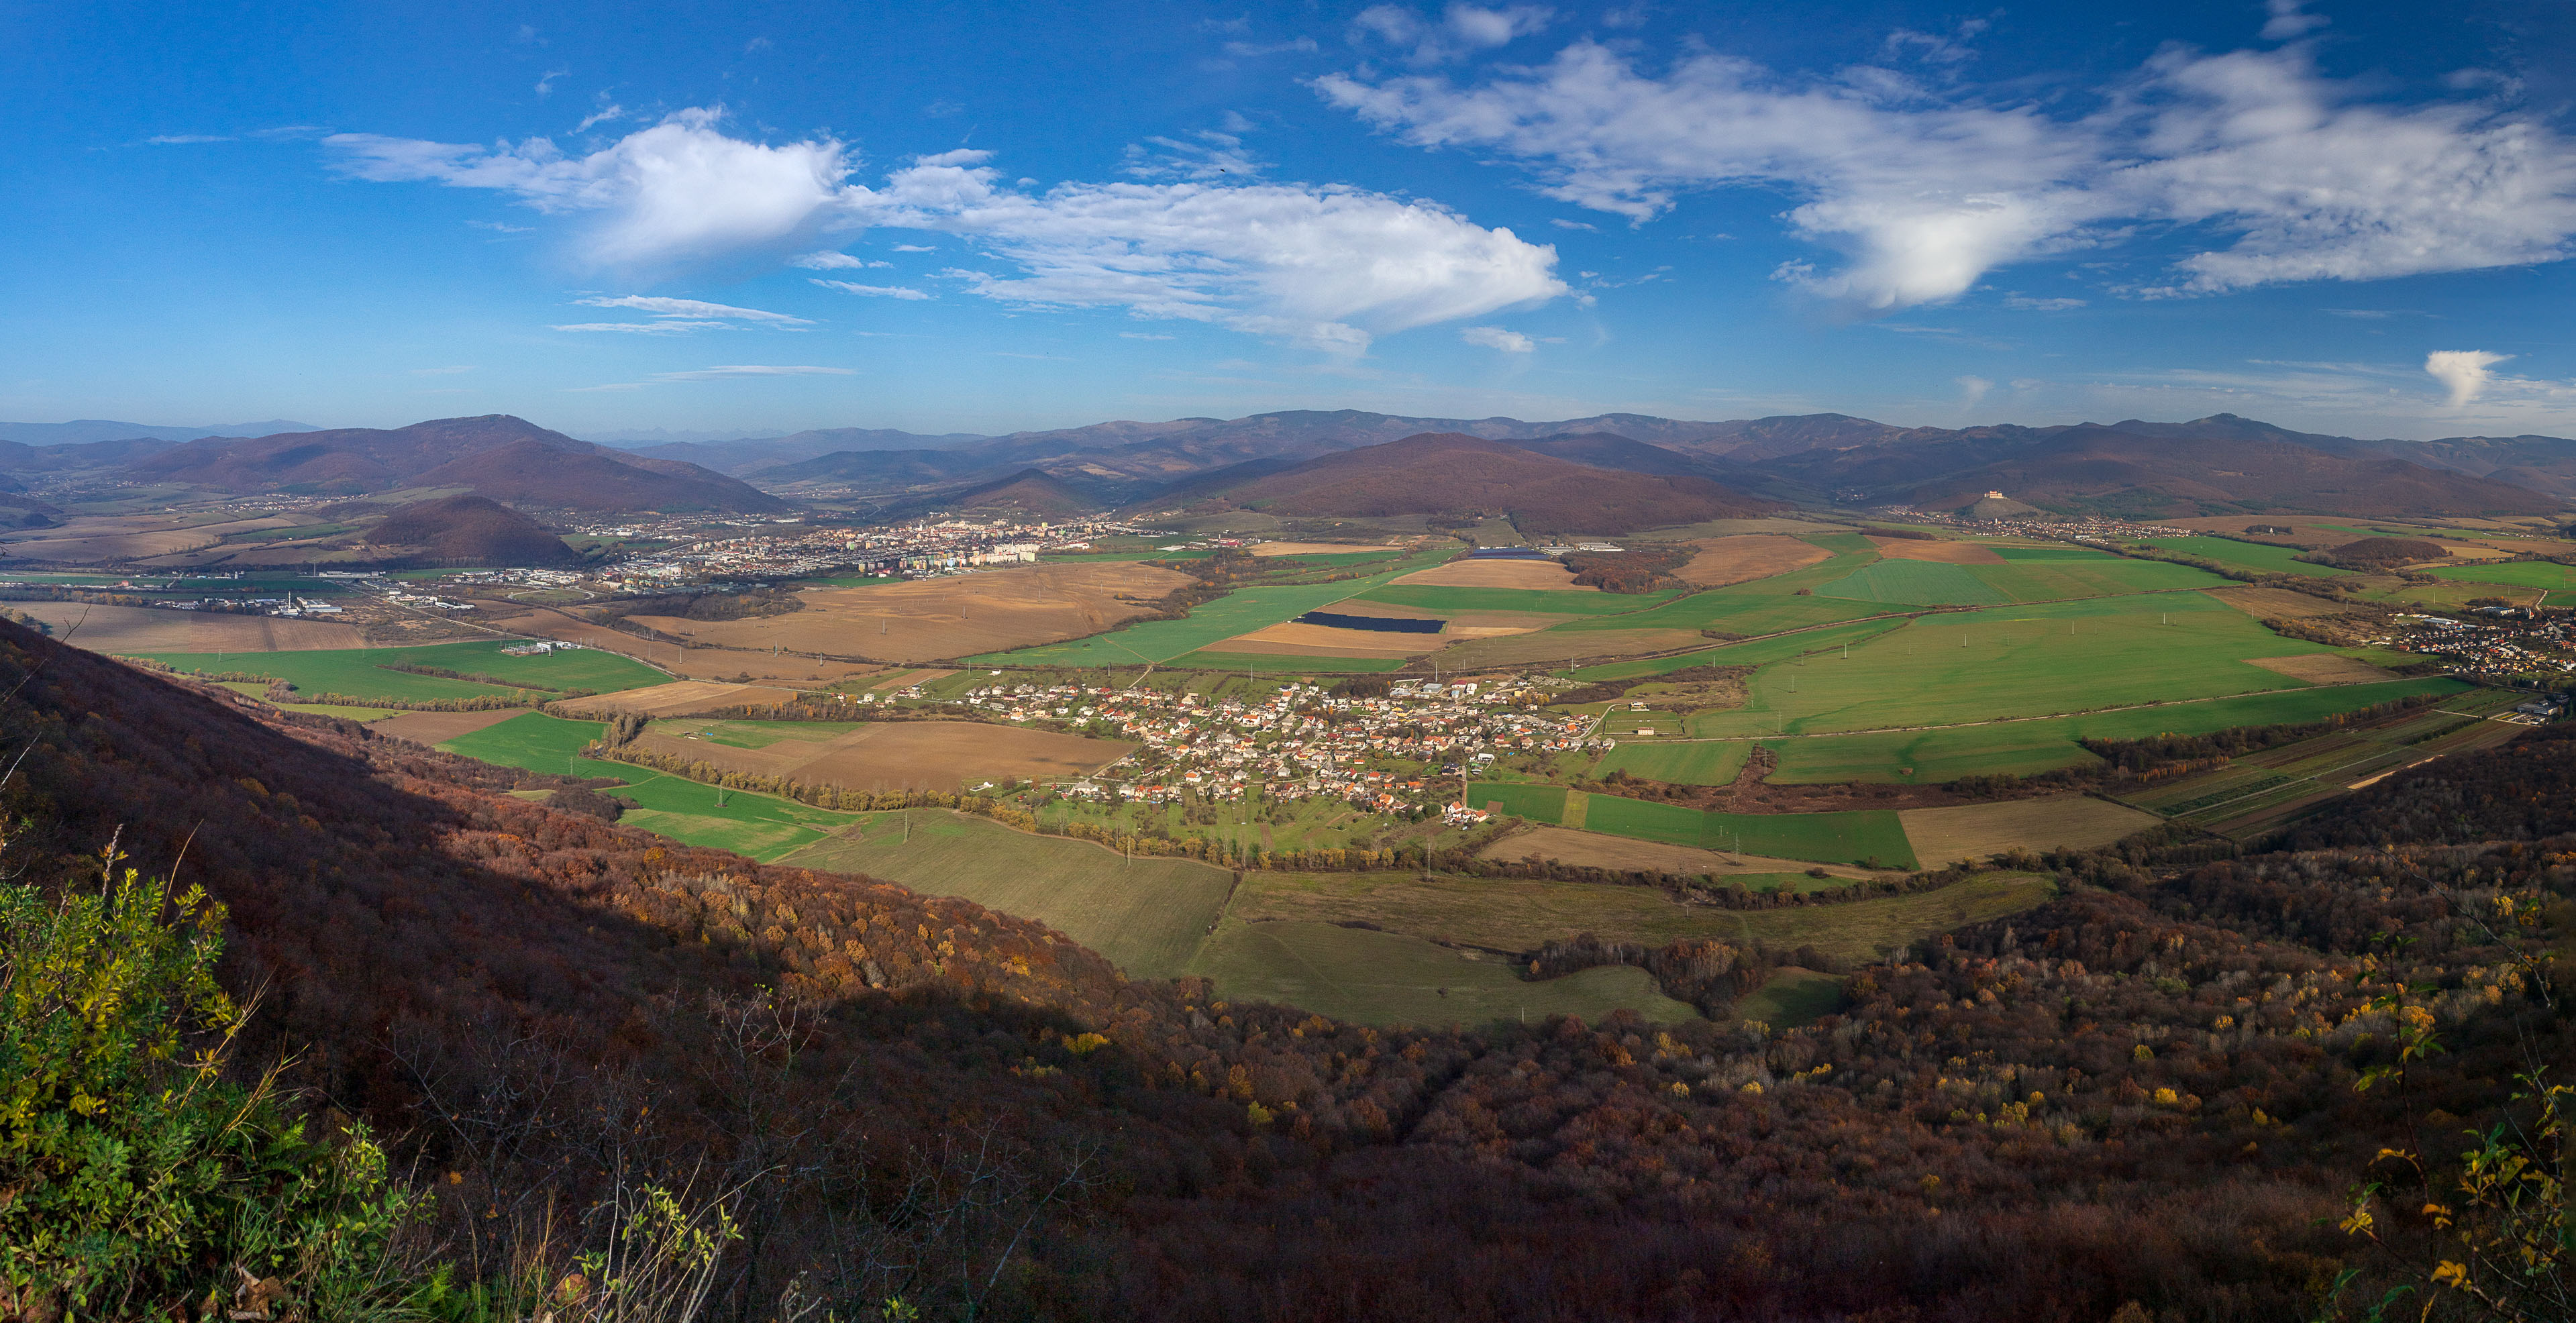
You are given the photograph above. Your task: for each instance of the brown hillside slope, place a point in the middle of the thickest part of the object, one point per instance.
(528, 472)
(1029, 491)
(1452, 473)
(469, 530)
(525, 1001)
(506, 458)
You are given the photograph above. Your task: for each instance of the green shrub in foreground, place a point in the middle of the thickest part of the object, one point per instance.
(134, 1179)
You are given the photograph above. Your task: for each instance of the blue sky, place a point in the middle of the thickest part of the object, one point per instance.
(747, 218)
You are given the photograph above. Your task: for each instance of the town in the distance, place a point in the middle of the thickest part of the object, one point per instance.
(1386, 701)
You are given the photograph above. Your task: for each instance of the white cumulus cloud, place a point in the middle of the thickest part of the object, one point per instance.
(678, 190)
(1495, 337)
(1329, 266)
(1973, 389)
(2463, 372)
(2285, 174)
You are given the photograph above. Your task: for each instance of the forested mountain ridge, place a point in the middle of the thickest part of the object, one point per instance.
(2140, 1092)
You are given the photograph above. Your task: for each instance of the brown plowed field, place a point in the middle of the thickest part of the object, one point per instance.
(917, 755)
(1292, 639)
(1499, 574)
(680, 698)
(132, 629)
(437, 727)
(1974, 831)
(1943, 553)
(1725, 560)
(694, 663)
(2322, 668)
(928, 619)
(2278, 603)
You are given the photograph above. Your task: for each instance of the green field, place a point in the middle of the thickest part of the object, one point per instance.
(1538, 803)
(1537, 601)
(1382, 978)
(2253, 556)
(1148, 916)
(2020, 661)
(1791, 999)
(1918, 582)
(1700, 763)
(1238, 612)
(2517, 573)
(2096, 576)
(1929, 757)
(1753, 653)
(1764, 606)
(1838, 838)
(1521, 914)
(2055, 551)
(761, 826)
(1283, 665)
(361, 673)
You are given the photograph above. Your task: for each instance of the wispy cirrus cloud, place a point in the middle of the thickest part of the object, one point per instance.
(874, 291)
(668, 307)
(726, 372)
(2295, 176)
(830, 261)
(675, 326)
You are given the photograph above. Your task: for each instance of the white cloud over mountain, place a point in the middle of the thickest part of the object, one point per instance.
(2282, 173)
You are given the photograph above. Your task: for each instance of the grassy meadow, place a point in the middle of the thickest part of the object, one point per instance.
(2021, 661)
(1929, 757)
(1385, 979)
(1148, 916)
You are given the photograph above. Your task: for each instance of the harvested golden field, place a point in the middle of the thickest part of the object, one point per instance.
(1747, 556)
(439, 727)
(1974, 831)
(90, 540)
(1294, 640)
(2278, 603)
(2322, 668)
(1939, 553)
(915, 755)
(681, 698)
(1589, 849)
(928, 619)
(148, 629)
(1499, 574)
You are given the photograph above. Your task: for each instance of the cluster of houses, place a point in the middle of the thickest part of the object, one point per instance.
(918, 549)
(1403, 751)
(2509, 642)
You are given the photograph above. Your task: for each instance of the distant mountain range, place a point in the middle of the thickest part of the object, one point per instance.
(2221, 464)
(100, 429)
(2216, 465)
